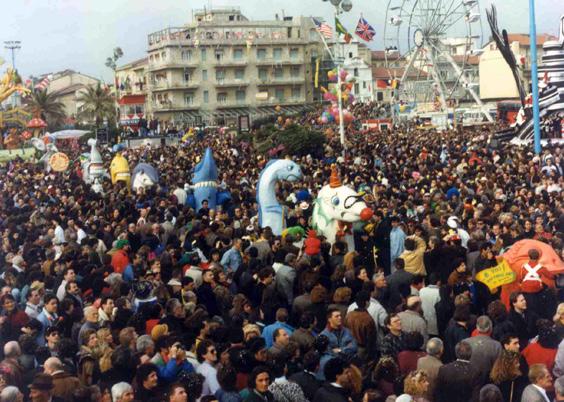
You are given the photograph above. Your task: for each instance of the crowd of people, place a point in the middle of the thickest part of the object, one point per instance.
(126, 296)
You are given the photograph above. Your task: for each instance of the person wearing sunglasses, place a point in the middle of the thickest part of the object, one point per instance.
(206, 353)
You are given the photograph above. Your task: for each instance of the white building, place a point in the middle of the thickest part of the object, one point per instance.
(357, 61)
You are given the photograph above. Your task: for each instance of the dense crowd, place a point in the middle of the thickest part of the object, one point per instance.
(133, 296)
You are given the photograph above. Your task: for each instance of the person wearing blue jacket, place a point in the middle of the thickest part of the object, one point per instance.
(340, 338)
(170, 360)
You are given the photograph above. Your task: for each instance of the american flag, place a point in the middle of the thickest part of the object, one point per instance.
(323, 28)
(364, 30)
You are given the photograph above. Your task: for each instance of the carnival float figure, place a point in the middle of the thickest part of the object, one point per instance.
(144, 176)
(119, 170)
(336, 208)
(271, 213)
(93, 167)
(204, 184)
(11, 83)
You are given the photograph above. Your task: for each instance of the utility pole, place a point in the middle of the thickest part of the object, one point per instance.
(13, 45)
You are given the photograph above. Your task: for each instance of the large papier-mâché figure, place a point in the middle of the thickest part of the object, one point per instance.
(144, 176)
(204, 184)
(119, 170)
(93, 168)
(336, 208)
(271, 213)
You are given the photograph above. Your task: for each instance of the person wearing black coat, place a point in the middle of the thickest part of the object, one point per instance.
(458, 381)
(306, 378)
(523, 320)
(456, 331)
(205, 294)
(337, 385)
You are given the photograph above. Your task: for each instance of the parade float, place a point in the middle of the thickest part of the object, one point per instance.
(551, 89)
(271, 213)
(204, 184)
(93, 167)
(336, 209)
(119, 170)
(144, 176)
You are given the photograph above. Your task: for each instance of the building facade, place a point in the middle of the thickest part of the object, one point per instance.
(67, 86)
(357, 62)
(222, 66)
(131, 86)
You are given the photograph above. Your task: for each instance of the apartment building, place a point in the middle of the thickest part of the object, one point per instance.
(131, 83)
(223, 65)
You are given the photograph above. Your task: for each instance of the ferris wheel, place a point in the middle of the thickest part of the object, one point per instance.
(431, 48)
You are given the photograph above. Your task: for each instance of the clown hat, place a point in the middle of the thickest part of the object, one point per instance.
(334, 180)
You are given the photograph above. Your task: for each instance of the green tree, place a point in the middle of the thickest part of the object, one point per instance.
(46, 106)
(98, 104)
(297, 140)
(111, 62)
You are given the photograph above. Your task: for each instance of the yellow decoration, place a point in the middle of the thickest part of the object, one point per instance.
(119, 170)
(9, 85)
(494, 277)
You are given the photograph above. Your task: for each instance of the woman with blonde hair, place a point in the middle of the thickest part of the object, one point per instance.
(508, 377)
(416, 384)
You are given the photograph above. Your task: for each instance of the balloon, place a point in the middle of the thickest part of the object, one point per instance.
(327, 96)
(343, 74)
(350, 78)
(324, 120)
(349, 87)
(324, 90)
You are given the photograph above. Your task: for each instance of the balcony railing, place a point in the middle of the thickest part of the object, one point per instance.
(172, 63)
(164, 85)
(231, 83)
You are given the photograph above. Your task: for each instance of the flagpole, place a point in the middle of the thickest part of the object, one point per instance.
(534, 77)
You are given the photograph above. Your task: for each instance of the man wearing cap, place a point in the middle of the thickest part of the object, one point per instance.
(120, 259)
(41, 389)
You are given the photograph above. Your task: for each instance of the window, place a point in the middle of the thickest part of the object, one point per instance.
(356, 72)
(203, 55)
(187, 76)
(237, 54)
(262, 74)
(289, 32)
(189, 99)
(294, 53)
(219, 55)
(278, 72)
(206, 97)
(296, 93)
(163, 55)
(279, 94)
(186, 55)
(261, 54)
(356, 88)
(363, 84)
(231, 18)
(222, 97)
(350, 55)
(240, 96)
(220, 76)
(239, 74)
(277, 53)
(204, 75)
(379, 96)
(295, 71)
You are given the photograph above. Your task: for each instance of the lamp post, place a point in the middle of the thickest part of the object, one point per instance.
(341, 6)
(534, 76)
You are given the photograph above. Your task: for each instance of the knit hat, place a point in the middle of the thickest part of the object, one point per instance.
(312, 243)
(158, 331)
(121, 243)
(334, 180)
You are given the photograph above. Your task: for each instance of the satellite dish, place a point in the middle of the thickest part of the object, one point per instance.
(38, 144)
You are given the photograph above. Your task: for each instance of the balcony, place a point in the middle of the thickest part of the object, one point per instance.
(281, 81)
(223, 83)
(280, 61)
(173, 107)
(225, 62)
(172, 63)
(174, 85)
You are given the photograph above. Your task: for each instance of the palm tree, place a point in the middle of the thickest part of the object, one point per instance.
(97, 104)
(47, 107)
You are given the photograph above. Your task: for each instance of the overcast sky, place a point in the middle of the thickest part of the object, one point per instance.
(80, 34)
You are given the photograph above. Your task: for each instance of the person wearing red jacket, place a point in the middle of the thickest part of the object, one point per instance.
(535, 280)
(120, 259)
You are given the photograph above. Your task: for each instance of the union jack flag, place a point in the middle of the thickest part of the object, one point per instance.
(364, 30)
(323, 28)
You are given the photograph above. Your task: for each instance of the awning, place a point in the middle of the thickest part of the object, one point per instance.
(132, 100)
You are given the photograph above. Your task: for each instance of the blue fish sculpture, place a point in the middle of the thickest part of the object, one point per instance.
(204, 184)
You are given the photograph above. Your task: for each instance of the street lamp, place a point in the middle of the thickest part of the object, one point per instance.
(341, 6)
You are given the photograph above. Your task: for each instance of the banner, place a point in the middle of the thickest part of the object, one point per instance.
(494, 277)
(316, 84)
